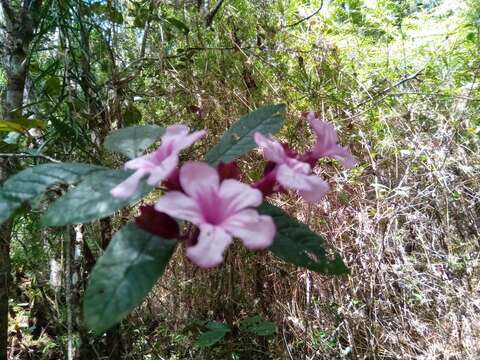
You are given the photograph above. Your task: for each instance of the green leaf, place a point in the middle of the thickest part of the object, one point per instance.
(21, 125)
(471, 36)
(92, 200)
(124, 275)
(133, 140)
(238, 140)
(7, 207)
(52, 86)
(11, 126)
(34, 181)
(217, 326)
(131, 115)
(179, 25)
(217, 332)
(297, 244)
(31, 123)
(256, 325)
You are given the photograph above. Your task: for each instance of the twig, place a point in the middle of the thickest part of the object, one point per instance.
(26, 155)
(211, 14)
(390, 88)
(286, 344)
(308, 17)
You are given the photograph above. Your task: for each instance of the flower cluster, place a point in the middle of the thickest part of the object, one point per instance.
(289, 170)
(214, 201)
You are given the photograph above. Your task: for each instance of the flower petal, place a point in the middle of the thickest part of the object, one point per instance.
(239, 196)
(163, 170)
(173, 131)
(143, 162)
(209, 249)
(318, 189)
(183, 142)
(344, 155)
(311, 187)
(256, 231)
(198, 178)
(293, 178)
(327, 143)
(127, 188)
(325, 132)
(272, 150)
(180, 206)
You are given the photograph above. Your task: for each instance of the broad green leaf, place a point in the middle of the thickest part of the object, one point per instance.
(7, 207)
(34, 181)
(297, 244)
(132, 141)
(131, 115)
(256, 325)
(124, 275)
(216, 332)
(180, 25)
(91, 199)
(238, 140)
(217, 326)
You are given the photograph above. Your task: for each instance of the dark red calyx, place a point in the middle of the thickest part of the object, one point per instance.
(173, 181)
(157, 223)
(228, 171)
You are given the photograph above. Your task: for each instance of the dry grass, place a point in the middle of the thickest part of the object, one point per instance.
(407, 223)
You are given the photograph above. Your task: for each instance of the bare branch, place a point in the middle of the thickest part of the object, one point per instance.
(308, 17)
(390, 88)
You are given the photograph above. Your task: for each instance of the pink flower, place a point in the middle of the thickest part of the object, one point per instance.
(327, 144)
(290, 172)
(221, 210)
(158, 164)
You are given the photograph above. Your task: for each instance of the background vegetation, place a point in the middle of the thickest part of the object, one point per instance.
(399, 79)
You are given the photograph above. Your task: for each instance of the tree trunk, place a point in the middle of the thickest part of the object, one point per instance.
(17, 33)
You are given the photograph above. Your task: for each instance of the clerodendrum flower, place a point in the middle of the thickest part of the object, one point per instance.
(295, 172)
(290, 172)
(221, 210)
(327, 143)
(160, 163)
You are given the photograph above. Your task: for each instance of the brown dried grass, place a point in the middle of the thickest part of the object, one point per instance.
(408, 227)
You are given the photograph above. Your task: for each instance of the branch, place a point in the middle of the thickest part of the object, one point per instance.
(211, 14)
(390, 88)
(308, 17)
(27, 155)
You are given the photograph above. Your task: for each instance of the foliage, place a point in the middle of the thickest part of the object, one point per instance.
(124, 275)
(238, 140)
